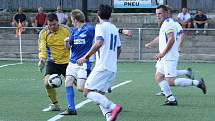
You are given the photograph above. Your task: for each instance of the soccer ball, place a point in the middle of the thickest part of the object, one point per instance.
(54, 81)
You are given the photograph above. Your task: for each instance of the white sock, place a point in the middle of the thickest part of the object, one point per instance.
(165, 88)
(195, 82)
(183, 82)
(182, 72)
(108, 116)
(101, 100)
(104, 110)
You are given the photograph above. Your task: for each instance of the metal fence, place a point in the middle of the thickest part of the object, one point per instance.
(195, 48)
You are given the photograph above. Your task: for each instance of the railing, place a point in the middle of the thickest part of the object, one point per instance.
(195, 47)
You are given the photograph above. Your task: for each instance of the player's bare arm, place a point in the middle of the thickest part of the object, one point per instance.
(180, 39)
(152, 43)
(126, 32)
(93, 50)
(66, 42)
(170, 43)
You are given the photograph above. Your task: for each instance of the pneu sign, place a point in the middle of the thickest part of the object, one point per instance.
(134, 4)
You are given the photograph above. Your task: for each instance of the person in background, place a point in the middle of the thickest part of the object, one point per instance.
(62, 17)
(200, 21)
(184, 18)
(40, 19)
(20, 17)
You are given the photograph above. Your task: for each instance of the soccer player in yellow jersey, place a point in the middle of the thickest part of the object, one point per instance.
(54, 53)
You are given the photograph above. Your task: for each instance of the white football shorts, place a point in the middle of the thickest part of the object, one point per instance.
(167, 67)
(100, 80)
(79, 72)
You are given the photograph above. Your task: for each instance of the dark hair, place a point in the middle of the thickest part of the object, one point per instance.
(104, 11)
(169, 8)
(163, 7)
(52, 17)
(199, 10)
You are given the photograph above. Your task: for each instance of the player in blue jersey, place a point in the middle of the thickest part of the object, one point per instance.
(80, 41)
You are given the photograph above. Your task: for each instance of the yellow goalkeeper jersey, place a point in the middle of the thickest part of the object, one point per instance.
(51, 45)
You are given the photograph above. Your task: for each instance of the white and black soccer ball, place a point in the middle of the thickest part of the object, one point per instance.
(54, 80)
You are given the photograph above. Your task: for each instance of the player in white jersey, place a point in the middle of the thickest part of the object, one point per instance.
(168, 55)
(180, 82)
(80, 41)
(107, 48)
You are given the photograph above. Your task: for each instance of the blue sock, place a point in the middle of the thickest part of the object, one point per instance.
(70, 98)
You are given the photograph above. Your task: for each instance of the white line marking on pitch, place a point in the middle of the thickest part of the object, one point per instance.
(129, 71)
(81, 104)
(10, 64)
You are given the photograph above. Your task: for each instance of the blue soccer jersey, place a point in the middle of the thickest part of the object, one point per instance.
(81, 40)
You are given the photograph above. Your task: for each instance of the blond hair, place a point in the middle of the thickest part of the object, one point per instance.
(78, 15)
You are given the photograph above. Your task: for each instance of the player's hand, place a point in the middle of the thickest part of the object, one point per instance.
(41, 64)
(159, 56)
(127, 32)
(66, 42)
(81, 60)
(148, 45)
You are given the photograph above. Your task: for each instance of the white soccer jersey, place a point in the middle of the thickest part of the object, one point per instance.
(184, 18)
(169, 25)
(106, 56)
(179, 30)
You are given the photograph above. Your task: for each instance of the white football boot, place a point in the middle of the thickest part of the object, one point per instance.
(52, 107)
